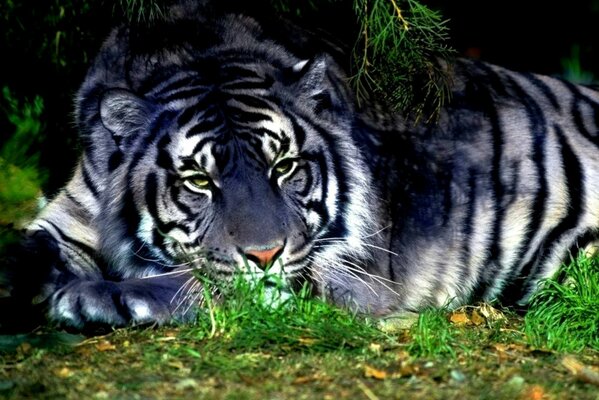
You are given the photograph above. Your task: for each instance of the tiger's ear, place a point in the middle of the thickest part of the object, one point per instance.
(313, 83)
(123, 113)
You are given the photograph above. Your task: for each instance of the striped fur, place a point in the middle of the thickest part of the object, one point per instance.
(206, 141)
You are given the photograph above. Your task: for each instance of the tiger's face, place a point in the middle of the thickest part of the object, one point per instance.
(244, 172)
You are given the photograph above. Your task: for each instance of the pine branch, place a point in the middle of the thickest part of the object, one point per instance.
(396, 57)
(142, 11)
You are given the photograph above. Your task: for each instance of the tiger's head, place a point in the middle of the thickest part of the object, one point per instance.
(232, 159)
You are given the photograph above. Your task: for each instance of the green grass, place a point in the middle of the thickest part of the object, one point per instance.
(260, 316)
(257, 345)
(432, 335)
(564, 314)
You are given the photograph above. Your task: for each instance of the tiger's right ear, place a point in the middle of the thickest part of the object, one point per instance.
(123, 113)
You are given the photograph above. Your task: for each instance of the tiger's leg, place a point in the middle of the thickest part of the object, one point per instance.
(72, 290)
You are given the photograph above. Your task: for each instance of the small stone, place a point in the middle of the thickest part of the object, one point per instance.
(457, 376)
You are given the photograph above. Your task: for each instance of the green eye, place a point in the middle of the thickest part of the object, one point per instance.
(198, 182)
(284, 166)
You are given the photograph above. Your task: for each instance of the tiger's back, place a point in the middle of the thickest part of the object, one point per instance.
(214, 146)
(497, 194)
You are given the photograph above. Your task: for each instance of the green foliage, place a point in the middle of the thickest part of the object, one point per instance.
(142, 10)
(47, 47)
(398, 55)
(26, 119)
(20, 177)
(564, 313)
(573, 70)
(432, 335)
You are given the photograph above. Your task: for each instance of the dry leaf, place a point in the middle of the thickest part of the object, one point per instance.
(459, 318)
(166, 339)
(535, 392)
(476, 318)
(105, 345)
(490, 313)
(375, 347)
(64, 372)
(371, 372)
(307, 341)
(303, 379)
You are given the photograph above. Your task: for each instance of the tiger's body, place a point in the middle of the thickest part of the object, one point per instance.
(209, 145)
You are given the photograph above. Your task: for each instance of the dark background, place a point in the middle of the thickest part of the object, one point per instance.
(526, 34)
(47, 45)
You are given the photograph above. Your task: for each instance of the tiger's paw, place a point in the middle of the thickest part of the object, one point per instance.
(102, 304)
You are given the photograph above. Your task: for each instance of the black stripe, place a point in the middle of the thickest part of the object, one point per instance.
(151, 199)
(493, 255)
(90, 251)
(575, 180)
(266, 132)
(248, 85)
(253, 101)
(88, 181)
(187, 93)
(468, 227)
(202, 106)
(578, 99)
(177, 84)
(298, 132)
(238, 71)
(150, 195)
(204, 126)
(246, 116)
(549, 94)
(174, 192)
(72, 198)
(115, 160)
(156, 132)
(309, 181)
(538, 129)
(129, 213)
(337, 227)
(163, 158)
(202, 143)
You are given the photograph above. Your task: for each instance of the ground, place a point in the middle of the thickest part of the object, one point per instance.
(473, 353)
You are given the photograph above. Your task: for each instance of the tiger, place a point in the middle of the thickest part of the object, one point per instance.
(218, 145)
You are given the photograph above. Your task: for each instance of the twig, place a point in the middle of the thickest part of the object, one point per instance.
(581, 371)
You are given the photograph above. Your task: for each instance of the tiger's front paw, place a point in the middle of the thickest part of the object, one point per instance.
(84, 304)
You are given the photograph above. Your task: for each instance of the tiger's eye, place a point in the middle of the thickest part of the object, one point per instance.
(198, 182)
(284, 166)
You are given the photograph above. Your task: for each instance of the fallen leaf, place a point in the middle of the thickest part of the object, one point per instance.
(64, 372)
(459, 318)
(490, 313)
(105, 345)
(166, 339)
(535, 392)
(375, 347)
(303, 379)
(371, 372)
(307, 341)
(476, 318)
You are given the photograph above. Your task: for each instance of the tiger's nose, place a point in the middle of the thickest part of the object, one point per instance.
(264, 257)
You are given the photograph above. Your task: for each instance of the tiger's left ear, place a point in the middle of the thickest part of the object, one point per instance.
(123, 113)
(314, 84)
